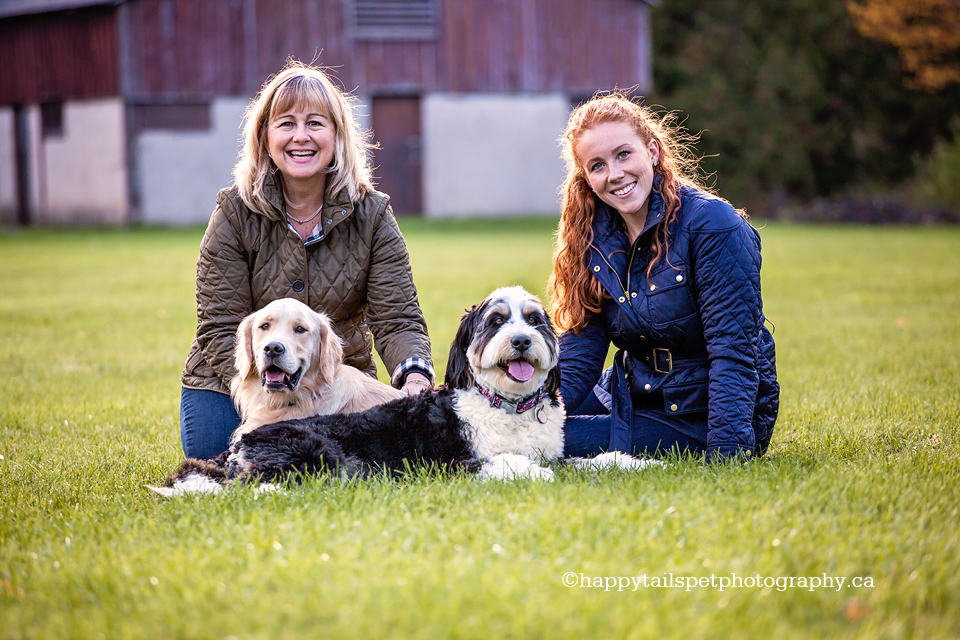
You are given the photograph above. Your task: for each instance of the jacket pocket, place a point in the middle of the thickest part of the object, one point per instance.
(685, 398)
(665, 278)
(668, 294)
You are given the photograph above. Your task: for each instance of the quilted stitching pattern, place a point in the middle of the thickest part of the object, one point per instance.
(359, 274)
(704, 299)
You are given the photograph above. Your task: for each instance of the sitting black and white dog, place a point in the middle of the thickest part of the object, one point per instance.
(499, 413)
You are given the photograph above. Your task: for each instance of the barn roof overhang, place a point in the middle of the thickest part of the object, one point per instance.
(11, 8)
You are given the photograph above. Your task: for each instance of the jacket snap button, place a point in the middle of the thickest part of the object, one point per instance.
(646, 387)
(622, 299)
(653, 287)
(633, 295)
(298, 285)
(597, 268)
(673, 407)
(679, 278)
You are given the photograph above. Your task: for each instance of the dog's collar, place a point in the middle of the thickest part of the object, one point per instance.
(526, 404)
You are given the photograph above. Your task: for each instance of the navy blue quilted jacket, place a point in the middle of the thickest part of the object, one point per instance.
(692, 339)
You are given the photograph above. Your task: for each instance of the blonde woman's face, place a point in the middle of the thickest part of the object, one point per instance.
(301, 143)
(618, 165)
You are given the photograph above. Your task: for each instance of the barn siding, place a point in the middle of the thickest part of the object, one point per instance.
(189, 50)
(390, 67)
(308, 30)
(185, 50)
(535, 46)
(480, 47)
(59, 56)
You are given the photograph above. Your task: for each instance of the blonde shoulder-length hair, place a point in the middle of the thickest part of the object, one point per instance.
(299, 84)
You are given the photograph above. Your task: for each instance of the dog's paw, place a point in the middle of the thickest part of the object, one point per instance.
(267, 487)
(237, 465)
(193, 483)
(540, 473)
(166, 492)
(615, 460)
(512, 467)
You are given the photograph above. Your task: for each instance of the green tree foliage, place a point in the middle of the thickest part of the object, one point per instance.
(938, 180)
(792, 100)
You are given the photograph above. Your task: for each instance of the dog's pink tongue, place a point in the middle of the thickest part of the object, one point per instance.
(275, 376)
(520, 369)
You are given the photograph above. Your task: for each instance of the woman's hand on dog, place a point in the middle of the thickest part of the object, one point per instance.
(416, 383)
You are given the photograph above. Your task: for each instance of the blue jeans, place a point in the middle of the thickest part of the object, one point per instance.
(207, 419)
(586, 432)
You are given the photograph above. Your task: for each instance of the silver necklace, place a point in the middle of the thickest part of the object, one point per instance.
(305, 220)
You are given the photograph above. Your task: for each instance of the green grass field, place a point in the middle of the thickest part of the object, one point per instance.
(862, 480)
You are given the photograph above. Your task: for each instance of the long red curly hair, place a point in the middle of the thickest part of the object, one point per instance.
(577, 294)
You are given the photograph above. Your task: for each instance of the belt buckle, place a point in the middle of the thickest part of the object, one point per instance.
(656, 360)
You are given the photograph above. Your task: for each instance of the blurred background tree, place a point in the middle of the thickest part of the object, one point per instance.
(794, 102)
(926, 34)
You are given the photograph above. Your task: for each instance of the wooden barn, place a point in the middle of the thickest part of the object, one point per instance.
(125, 111)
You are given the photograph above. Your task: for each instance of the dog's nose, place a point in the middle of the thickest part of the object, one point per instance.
(274, 349)
(520, 343)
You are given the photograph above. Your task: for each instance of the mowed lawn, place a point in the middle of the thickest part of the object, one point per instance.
(862, 481)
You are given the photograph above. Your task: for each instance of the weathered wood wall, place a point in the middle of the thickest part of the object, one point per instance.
(192, 50)
(52, 57)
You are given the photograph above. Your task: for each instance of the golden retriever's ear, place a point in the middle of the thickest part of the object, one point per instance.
(244, 348)
(329, 351)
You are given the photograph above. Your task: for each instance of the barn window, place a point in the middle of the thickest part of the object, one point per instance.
(51, 119)
(173, 117)
(395, 19)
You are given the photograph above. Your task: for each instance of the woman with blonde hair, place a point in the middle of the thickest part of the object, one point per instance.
(648, 260)
(302, 220)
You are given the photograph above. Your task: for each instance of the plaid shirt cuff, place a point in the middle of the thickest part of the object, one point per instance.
(411, 365)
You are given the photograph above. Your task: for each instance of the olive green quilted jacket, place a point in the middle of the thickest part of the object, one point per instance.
(358, 273)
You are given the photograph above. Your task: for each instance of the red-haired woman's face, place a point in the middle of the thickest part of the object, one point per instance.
(618, 165)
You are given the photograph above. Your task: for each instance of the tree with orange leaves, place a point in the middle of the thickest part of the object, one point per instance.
(926, 34)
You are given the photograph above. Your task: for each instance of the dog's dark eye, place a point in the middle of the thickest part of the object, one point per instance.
(497, 320)
(533, 320)
(300, 329)
(264, 326)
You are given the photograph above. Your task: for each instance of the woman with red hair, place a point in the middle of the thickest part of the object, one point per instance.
(650, 261)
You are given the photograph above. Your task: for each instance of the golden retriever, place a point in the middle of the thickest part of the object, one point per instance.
(289, 366)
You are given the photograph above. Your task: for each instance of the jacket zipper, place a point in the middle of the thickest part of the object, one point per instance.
(633, 254)
(615, 274)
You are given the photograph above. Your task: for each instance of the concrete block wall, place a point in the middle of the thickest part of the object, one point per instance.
(8, 171)
(180, 172)
(491, 155)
